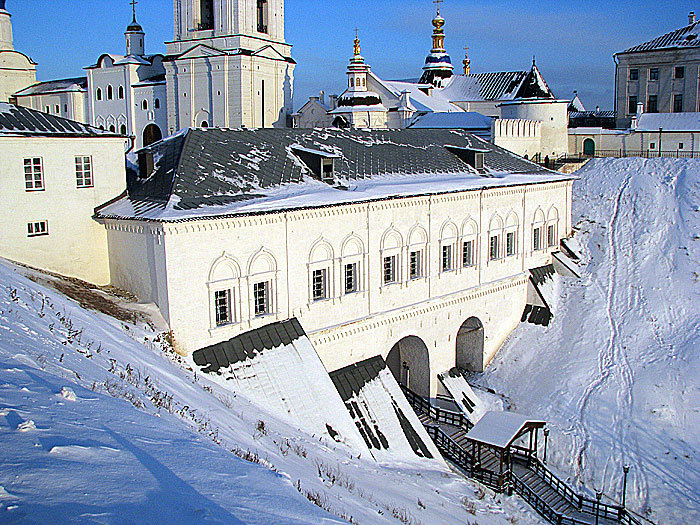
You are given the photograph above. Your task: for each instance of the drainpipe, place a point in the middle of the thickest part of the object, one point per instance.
(661, 130)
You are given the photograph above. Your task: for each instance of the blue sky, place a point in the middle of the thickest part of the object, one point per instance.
(572, 40)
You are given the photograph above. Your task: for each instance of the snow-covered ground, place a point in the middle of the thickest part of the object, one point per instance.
(617, 373)
(99, 424)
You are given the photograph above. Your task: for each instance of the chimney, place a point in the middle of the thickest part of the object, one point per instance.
(640, 108)
(322, 97)
(691, 17)
(334, 101)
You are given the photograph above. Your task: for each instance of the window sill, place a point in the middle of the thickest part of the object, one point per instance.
(38, 235)
(84, 187)
(34, 190)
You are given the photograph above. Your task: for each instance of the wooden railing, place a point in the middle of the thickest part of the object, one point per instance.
(441, 415)
(647, 154)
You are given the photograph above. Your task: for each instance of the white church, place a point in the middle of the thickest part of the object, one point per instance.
(228, 65)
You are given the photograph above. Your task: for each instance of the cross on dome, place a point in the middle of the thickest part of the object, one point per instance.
(438, 2)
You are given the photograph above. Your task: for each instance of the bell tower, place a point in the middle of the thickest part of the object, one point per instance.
(5, 28)
(17, 71)
(229, 65)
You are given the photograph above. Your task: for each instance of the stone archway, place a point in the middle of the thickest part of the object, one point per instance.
(151, 134)
(409, 362)
(589, 148)
(470, 345)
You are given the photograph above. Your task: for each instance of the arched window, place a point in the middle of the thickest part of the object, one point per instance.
(151, 134)
(224, 286)
(156, 103)
(110, 92)
(552, 227)
(495, 238)
(122, 129)
(511, 232)
(98, 94)
(144, 105)
(391, 247)
(321, 271)
(352, 264)
(448, 247)
(352, 82)
(538, 225)
(112, 128)
(204, 124)
(417, 253)
(470, 233)
(262, 284)
(120, 93)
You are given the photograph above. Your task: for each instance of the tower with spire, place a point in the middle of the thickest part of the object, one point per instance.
(438, 64)
(17, 71)
(135, 37)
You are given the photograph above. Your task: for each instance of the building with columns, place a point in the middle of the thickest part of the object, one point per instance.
(229, 65)
(530, 120)
(17, 70)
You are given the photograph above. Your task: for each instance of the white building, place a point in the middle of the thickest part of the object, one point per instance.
(663, 75)
(54, 173)
(415, 245)
(17, 70)
(534, 121)
(229, 65)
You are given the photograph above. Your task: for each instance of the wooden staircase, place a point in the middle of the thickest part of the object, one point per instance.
(552, 498)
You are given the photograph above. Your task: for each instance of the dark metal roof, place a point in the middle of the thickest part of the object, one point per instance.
(218, 166)
(542, 274)
(248, 345)
(16, 120)
(685, 37)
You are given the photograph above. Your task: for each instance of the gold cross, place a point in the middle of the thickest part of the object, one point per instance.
(438, 2)
(133, 7)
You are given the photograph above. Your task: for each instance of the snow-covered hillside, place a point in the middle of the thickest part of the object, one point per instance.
(618, 371)
(98, 424)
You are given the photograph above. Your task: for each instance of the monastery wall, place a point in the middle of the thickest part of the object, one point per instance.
(428, 304)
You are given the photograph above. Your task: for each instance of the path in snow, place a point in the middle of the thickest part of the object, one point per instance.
(618, 372)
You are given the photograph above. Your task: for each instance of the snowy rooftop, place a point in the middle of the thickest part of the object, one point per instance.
(16, 120)
(212, 173)
(669, 122)
(499, 85)
(500, 429)
(55, 86)
(467, 120)
(685, 37)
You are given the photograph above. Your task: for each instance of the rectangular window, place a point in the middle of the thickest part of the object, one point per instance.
(653, 105)
(654, 73)
(537, 239)
(634, 74)
(632, 110)
(261, 298)
(83, 172)
(351, 278)
(319, 285)
(494, 241)
(35, 229)
(551, 235)
(680, 72)
(33, 174)
(681, 145)
(222, 305)
(468, 254)
(652, 145)
(262, 16)
(416, 264)
(678, 103)
(390, 269)
(510, 244)
(447, 258)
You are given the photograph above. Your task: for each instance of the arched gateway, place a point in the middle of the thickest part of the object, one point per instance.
(470, 345)
(409, 362)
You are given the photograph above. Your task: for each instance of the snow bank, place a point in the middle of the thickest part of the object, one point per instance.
(617, 373)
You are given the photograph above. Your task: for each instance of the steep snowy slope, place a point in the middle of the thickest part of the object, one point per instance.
(99, 425)
(617, 373)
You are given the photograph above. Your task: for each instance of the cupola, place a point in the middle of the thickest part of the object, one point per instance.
(135, 37)
(438, 64)
(5, 29)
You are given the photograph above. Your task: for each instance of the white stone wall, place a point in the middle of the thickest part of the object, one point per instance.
(633, 143)
(70, 104)
(16, 73)
(554, 117)
(76, 245)
(522, 137)
(284, 249)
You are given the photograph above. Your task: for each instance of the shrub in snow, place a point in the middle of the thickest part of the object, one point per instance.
(68, 394)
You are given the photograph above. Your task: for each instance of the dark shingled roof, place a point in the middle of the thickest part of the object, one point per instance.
(219, 166)
(685, 37)
(16, 120)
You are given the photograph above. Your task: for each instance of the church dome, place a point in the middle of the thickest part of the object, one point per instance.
(133, 27)
(2, 5)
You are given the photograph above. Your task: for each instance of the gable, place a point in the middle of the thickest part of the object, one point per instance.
(269, 52)
(200, 51)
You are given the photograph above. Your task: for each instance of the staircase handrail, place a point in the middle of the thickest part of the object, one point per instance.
(441, 415)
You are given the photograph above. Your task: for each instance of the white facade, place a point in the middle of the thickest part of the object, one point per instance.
(182, 266)
(553, 116)
(17, 71)
(69, 242)
(229, 65)
(522, 137)
(67, 99)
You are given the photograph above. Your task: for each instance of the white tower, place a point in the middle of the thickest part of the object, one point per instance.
(228, 65)
(135, 37)
(17, 71)
(438, 65)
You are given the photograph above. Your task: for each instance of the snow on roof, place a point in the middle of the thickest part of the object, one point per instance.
(55, 86)
(499, 429)
(497, 86)
(467, 120)
(212, 173)
(17, 120)
(685, 37)
(436, 102)
(277, 367)
(467, 401)
(669, 122)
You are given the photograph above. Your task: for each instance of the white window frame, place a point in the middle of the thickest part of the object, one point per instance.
(416, 269)
(34, 179)
(230, 316)
(353, 253)
(496, 230)
(539, 231)
(393, 270)
(266, 274)
(38, 228)
(84, 177)
(319, 285)
(448, 247)
(267, 310)
(231, 281)
(321, 258)
(391, 247)
(512, 229)
(355, 288)
(552, 222)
